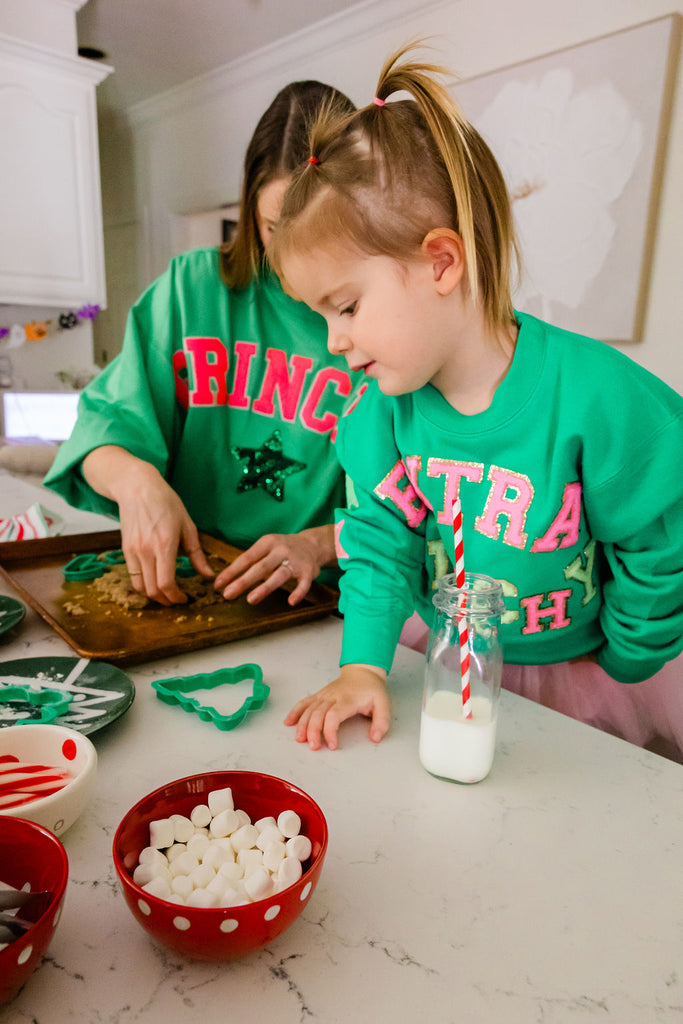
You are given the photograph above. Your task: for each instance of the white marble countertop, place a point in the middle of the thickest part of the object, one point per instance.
(552, 892)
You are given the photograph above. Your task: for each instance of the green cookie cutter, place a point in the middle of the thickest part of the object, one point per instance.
(84, 567)
(175, 691)
(52, 703)
(92, 566)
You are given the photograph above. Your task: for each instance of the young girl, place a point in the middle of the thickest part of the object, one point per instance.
(567, 457)
(217, 414)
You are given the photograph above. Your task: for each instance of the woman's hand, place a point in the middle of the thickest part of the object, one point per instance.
(154, 522)
(359, 690)
(274, 559)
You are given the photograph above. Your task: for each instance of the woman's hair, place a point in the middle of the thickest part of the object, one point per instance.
(382, 177)
(278, 146)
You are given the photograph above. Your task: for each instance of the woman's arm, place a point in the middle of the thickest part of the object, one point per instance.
(154, 521)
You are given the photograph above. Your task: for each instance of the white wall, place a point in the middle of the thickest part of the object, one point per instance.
(188, 144)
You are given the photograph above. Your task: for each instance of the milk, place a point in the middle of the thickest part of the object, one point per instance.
(454, 747)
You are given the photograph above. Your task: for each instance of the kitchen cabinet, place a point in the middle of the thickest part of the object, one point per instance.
(52, 249)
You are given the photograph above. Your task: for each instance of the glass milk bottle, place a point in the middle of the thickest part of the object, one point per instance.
(457, 738)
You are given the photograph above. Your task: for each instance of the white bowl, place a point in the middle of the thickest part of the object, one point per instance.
(55, 747)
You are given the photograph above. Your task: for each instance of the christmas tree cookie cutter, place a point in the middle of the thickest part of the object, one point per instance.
(177, 690)
(52, 703)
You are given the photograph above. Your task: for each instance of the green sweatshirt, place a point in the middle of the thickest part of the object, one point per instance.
(571, 485)
(232, 395)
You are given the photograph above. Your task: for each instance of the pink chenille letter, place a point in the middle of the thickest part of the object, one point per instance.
(557, 612)
(277, 377)
(208, 361)
(406, 500)
(341, 383)
(498, 503)
(453, 471)
(567, 522)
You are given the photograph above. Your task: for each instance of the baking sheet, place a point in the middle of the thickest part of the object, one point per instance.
(34, 568)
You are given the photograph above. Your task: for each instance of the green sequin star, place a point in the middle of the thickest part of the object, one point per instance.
(266, 467)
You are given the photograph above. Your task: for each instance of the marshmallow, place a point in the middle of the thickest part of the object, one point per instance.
(231, 898)
(150, 855)
(223, 843)
(244, 838)
(270, 834)
(175, 851)
(220, 800)
(231, 870)
(161, 833)
(258, 884)
(262, 822)
(182, 827)
(202, 898)
(289, 872)
(250, 860)
(218, 885)
(158, 887)
(217, 855)
(244, 817)
(299, 847)
(182, 885)
(175, 898)
(289, 823)
(184, 864)
(224, 824)
(273, 855)
(201, 876)
(198, 845)
(144, 873)
(201, 815)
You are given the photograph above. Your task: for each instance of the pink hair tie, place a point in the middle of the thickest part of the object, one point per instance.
(379, 102)
(313, 160)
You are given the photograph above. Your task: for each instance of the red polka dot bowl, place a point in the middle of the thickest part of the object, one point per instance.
(47, 774)
(219, 933)
(31, 858)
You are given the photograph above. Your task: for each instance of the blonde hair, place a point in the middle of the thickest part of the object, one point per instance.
(383, 177)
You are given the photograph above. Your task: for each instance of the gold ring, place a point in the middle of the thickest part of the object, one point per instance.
(135, 574)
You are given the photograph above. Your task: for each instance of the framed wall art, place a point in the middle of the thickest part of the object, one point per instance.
(581, 136)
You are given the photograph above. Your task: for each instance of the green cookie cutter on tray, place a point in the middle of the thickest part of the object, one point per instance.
(52, 703)
(91, 566)
(176, 690)
(84, 567)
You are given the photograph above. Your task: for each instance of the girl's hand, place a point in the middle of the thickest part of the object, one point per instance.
(359, 690)
(274, 559)
(154, 522)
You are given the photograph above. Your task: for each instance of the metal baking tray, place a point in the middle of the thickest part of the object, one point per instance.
(107, 632)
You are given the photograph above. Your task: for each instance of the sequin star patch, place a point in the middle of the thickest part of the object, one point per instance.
(266, 467)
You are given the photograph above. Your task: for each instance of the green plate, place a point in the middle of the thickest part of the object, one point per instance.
(11, 613)
(100, 693)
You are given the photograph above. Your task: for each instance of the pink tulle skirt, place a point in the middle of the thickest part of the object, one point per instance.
(648, 714)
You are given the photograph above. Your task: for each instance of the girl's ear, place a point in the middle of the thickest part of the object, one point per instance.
(444, 249)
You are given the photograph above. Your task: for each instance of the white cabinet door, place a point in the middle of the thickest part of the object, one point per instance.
(51, 248)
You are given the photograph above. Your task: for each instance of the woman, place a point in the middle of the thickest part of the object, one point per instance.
(218, 413)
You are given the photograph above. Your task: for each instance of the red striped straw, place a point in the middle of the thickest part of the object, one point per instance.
(462, 617)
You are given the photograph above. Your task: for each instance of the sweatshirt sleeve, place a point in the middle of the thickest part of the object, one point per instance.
(131, 403)
(380, 554)
(637, 514)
